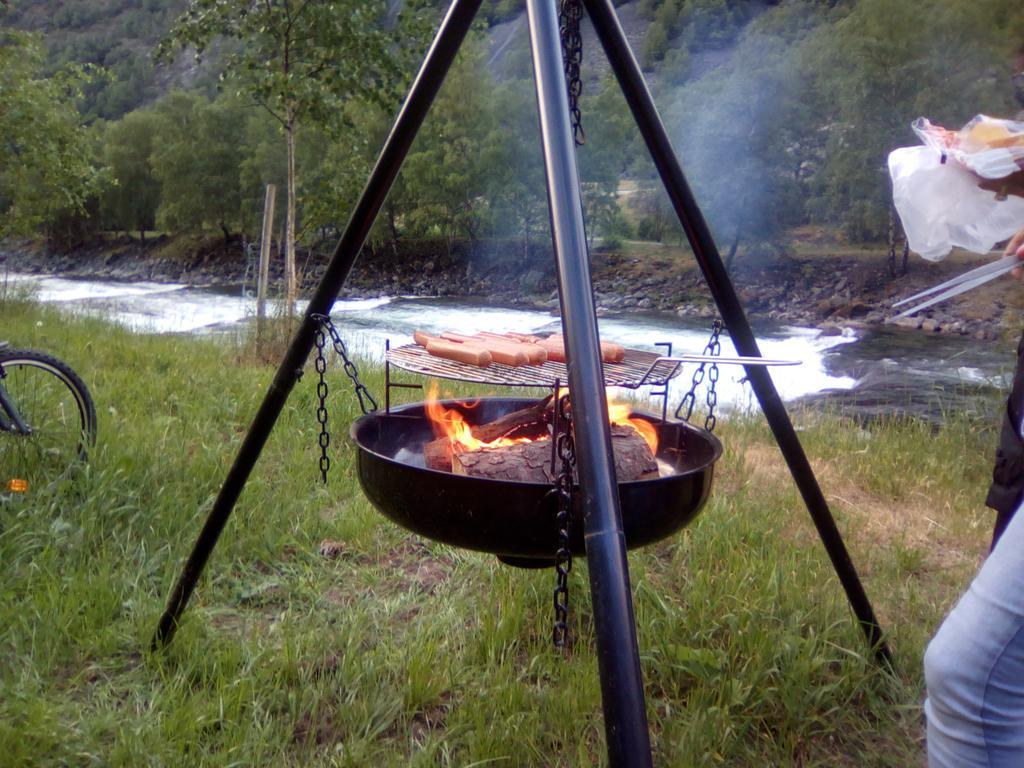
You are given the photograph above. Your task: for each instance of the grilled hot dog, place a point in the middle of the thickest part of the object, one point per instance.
(463, 353)
(535, 353)
(501, 352)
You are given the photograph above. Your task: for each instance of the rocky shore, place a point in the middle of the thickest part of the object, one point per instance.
(830, 293)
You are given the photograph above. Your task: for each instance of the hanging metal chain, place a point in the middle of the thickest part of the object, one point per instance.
(565, 461)
(321, 394)
(350, 368)
(366, 401)
(569, 14)
(685, 409)
(714, 348)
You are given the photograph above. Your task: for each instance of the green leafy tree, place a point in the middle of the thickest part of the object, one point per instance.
(46, 168)
(333, 171)
(196, 159)
(737, 128)
(298, 59)
(263, 163)
(658, 219)
(655, 43)
(516, 170)
(116, 35)
(130, 199)
(605, 157)
(447, 171)
(129, 84)
(715, 23)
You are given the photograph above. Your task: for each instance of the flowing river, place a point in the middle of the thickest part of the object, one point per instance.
(867, 373)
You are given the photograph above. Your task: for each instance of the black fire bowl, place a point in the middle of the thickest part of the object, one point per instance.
(516, 520)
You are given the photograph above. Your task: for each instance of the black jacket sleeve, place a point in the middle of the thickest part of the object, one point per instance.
(1007, 487)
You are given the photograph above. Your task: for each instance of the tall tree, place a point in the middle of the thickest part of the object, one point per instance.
(448, 171)
(334, 170)
(298, 59)
(46, 168)
(131, 198)
(197, 157)
(737, 127)
(516, 169)
(604, 158)
(263, 163)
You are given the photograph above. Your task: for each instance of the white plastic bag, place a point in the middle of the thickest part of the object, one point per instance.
(941, 205)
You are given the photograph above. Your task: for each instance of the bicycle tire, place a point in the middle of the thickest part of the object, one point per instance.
(57, 406)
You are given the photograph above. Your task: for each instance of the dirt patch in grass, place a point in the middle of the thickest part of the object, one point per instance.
(323, 667)
(408, 569)
(342, 597)
(431, 720)
(254, 621)
(319, 728)
(908, 523)
(763, 463)
(873, 522)
(835, 751)
(413, 566)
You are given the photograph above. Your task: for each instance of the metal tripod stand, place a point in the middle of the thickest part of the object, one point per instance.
(628, 740)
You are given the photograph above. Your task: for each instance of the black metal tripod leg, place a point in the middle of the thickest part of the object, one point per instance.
(435, 66)
(631, 80)
(622, 694)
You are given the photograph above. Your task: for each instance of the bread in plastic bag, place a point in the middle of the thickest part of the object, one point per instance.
(936, 188)
(989, 146)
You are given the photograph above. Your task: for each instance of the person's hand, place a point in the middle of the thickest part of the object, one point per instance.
(1008, 185)
(1016, 245)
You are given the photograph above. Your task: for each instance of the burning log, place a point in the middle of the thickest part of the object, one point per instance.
(526, 422)
(525, 462)
(530, 422)
(518, 445)
(437, 454)
(531, 461)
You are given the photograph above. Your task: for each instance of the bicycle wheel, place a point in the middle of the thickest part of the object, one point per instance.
(55, 405)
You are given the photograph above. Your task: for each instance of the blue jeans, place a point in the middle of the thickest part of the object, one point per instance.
(974, 666)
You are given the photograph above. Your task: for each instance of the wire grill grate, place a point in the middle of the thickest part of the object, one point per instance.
(637, 369)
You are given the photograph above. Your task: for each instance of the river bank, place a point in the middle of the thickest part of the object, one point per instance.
(825, 286)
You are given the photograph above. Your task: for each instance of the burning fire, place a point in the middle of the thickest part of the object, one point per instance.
(450, 422)
(618, 413)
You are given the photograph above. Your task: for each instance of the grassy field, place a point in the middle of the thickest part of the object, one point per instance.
(400, 651)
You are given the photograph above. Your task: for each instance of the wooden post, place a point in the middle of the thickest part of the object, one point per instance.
(264, 271)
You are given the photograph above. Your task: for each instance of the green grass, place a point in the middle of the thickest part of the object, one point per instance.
(401, 651)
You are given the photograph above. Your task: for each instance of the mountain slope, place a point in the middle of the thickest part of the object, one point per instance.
(117, 35)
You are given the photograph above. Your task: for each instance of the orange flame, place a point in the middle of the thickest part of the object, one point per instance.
(619, 413)
(449, 422)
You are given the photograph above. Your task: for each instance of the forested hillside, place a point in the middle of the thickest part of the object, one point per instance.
(783, 113)
(118, 35)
